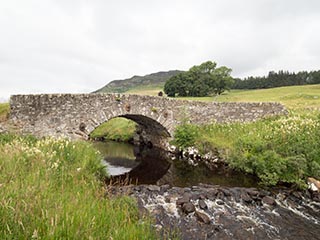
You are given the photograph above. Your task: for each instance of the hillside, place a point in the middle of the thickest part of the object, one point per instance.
(154, 80)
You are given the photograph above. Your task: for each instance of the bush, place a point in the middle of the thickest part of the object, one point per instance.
(186, 135)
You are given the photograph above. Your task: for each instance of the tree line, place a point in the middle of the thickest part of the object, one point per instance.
(278, 79)
(207, 79)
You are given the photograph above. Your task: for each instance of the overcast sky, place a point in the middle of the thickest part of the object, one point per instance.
(49, 46)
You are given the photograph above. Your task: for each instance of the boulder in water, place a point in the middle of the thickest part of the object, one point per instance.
(313, 184)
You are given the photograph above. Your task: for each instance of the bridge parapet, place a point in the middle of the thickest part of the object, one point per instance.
(77, 115)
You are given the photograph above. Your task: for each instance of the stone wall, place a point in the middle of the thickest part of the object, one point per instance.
(77, 115)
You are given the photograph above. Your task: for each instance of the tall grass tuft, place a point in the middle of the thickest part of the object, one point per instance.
(50, 189)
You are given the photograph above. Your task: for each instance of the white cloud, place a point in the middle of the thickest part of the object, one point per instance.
(79, 46)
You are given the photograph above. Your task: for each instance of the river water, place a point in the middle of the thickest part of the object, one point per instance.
(232, 204)
(154, 166)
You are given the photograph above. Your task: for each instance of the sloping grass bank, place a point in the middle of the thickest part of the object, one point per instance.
(50, 189)
(277, 150)
(4, 111)
(116, 129)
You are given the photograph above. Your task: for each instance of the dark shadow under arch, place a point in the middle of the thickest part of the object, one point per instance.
(149, 131)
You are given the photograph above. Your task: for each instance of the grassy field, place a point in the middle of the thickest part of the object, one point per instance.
(293, 97)
(116, 129)
(51, 189)
(146, 90)
(4, 110)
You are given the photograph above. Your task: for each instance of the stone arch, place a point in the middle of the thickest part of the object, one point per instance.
(149, 131)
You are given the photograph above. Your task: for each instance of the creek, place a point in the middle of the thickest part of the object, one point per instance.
(143, 165)
(194, 202)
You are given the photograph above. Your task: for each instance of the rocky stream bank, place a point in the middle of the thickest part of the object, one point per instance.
(215, 212)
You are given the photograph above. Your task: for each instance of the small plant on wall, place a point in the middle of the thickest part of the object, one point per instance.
(154, 109)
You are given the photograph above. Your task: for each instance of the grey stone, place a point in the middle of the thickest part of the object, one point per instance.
(184, 199)
(202, 204)
(76, 115)
(188, 208)
(220, 202)
(153, 188)
(245, 197)
(268, 200)
(202, 217)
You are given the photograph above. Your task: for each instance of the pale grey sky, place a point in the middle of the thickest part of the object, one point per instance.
(49, 46)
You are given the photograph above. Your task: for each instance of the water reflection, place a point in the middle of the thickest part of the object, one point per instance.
(118, 157)
(153, 166)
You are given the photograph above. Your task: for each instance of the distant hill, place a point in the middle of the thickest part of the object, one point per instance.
(152, 80)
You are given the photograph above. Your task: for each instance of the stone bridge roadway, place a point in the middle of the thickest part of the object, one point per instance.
(76, 115)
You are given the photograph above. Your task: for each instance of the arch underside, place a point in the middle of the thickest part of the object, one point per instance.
(149, 131)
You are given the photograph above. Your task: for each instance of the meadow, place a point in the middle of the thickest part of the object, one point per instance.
(53, 189)
(4, 111)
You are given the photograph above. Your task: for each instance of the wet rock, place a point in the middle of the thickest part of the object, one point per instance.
(202, 217)
(313, 184)
(212, 194)
(202, 197)
(220, 195)
(183, 200)
(153, 188)
(297, 195)
(245, 197)
(226, 192)
(268, 200)
(188, 208)
(188, 195)
(195, 196)
(167, 199)
(220, 202)
(264, 193)
(202, 204)
(164, 188)
(253, 193)
(194, 188)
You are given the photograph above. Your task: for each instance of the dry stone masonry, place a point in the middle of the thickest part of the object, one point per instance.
(76, 115)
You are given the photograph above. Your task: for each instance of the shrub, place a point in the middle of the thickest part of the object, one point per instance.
(186, 135)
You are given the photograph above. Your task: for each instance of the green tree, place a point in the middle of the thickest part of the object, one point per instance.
(202, 80)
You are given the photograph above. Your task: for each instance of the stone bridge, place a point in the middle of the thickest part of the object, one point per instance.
(76, 115)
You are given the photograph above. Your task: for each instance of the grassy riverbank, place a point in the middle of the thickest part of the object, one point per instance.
(116, 129)
(277, 150)
(4, 111)
(50, 189)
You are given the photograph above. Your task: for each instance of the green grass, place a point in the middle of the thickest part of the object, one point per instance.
(116, 129)
(278, 150)
(146, 90)
(50, 189)
(293, 97)
(4, 111)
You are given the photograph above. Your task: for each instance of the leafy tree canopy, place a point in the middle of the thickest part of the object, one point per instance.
(202, 80)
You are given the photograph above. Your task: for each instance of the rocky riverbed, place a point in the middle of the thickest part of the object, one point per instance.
(214, 212)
